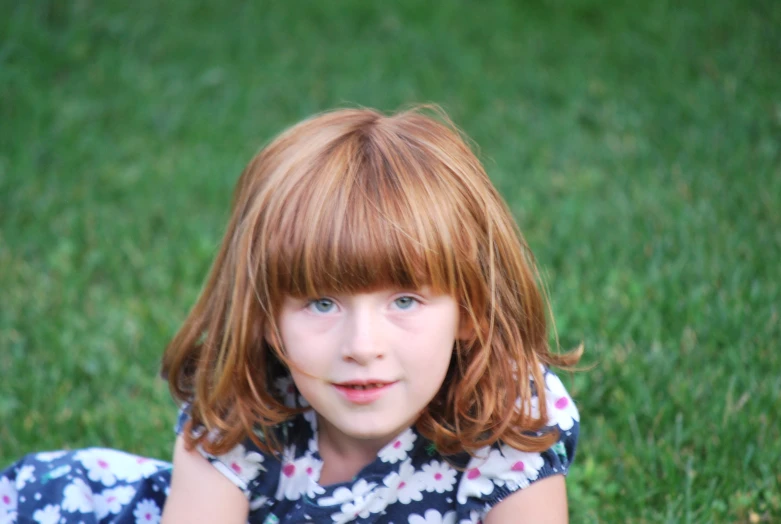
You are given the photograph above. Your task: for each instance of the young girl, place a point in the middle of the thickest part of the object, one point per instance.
(370, 346)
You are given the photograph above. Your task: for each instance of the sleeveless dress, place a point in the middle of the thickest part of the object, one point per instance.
(408, 482)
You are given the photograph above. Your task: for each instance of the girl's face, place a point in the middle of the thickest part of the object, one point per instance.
(369, 363)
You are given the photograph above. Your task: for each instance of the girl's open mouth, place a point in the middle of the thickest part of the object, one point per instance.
(363, 392)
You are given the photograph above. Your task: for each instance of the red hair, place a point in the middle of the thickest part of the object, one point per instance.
(353, 200)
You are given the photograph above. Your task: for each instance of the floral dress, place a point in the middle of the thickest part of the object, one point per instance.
(408, 482)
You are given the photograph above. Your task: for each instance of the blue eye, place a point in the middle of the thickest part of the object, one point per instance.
(322, 305)
(405, 302)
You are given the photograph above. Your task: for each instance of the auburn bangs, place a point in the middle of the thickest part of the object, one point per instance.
(368, 216)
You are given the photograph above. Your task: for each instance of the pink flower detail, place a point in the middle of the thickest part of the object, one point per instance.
(102, 463)
(6, 499)
(288, 470)
(235, 467)
(309, 470)
(562, 411)
(519, 466)
(147, 511)
(397, 449)
(437, 476)
(473, 473)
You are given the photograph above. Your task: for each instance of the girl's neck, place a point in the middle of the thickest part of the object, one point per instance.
(343, 457)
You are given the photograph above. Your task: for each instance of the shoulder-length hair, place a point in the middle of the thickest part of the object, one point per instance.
(354, 200)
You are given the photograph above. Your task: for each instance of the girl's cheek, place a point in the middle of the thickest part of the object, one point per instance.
(411, 325)
(317, 325)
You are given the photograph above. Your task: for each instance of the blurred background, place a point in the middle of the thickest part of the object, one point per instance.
(638, 145)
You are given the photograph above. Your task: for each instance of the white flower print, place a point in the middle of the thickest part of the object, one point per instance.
(350, 500)
(24, 475)
(437, 476)
(339, 496)
(48, 456)
(111, 500)
(77, 497)
(474, 518)
(433, 516)
(379, 499)
(405, 485)
(477, 480)
(147, 512)
(361, 501)
(8, 500)
(240, 465)
(561, 409)
(398, 448)
(520, 467)
(503, 466)
(98, 465)
(297, 476)
(50, 514)
(132, 468)
(352, 510)
(107, 465)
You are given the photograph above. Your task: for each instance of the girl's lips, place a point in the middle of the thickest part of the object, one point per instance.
(363, 392)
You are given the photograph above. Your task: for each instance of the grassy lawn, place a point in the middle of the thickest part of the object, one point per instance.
(639, 147)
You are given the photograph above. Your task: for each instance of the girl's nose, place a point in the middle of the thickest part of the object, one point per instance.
(363, 341)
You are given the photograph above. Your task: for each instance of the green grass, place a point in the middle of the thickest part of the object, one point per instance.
(639, 146)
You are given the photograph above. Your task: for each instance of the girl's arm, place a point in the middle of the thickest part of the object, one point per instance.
(200, 493)
(545, 501)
